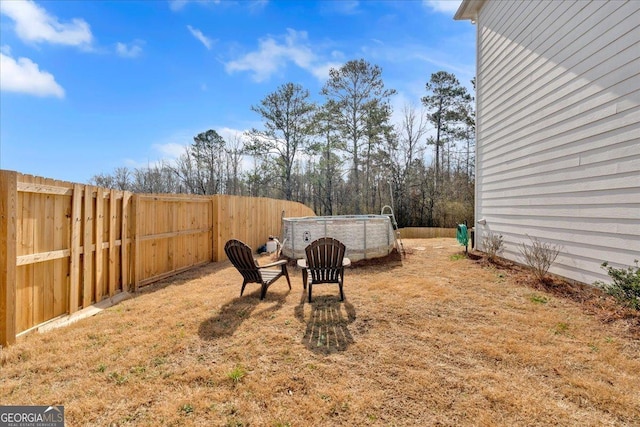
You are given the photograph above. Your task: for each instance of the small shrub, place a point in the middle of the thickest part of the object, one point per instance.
(157, 361)
(561, 328)
(492, 244)
(539, 256)
(118, 378)
(538, 299)
(137, 370)
(626, 284)
(236, 374)
(234, 422)
(187, 408)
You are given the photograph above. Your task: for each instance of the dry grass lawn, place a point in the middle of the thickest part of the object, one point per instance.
(436, 339)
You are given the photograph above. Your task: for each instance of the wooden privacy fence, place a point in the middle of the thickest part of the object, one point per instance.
(426, 232)
(251, 219)
(66, 246)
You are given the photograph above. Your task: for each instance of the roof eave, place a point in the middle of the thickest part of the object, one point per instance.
(469, 10)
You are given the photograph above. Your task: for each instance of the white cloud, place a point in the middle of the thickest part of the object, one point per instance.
(25, 76)
(449, 55)
(170, 150)
(257, 6)
(148, 164)
(131, 50)
(274, 53)
(321, 72)
(165, 152)
(34, 24)
(343, 7)
(177, 5)
(435, 59)
(230, 134)
(235, 139)
(445, 6)
(174, 145)
(272, 56)
(206, 41)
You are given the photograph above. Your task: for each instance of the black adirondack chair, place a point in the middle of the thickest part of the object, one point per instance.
(241, 256)
(324, 263)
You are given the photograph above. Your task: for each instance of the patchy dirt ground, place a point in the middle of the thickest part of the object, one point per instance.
(434, 338)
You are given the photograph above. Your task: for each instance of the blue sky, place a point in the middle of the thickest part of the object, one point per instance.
(89, 86)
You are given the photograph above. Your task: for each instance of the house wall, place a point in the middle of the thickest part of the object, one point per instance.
(558, 130)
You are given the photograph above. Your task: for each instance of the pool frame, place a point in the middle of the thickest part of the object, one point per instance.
(374, 232)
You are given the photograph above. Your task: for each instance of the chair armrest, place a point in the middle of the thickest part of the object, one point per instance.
(273, 264)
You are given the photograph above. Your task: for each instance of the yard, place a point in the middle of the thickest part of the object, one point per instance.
(434, 339)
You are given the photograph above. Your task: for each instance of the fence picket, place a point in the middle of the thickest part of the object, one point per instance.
(87, 249)
(65, 246)
(113, 218)
(76, 228)
(8, 254)
(99, 288)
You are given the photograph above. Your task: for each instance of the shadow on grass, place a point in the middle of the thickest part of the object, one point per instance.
(389, 262)
(326, 330)
(184, 277)
(232, 314)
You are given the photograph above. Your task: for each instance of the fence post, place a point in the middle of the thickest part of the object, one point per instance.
(125, 246)
(87, 251)
(214, 228)
(113, 218)
(8, 206)
(135, 245)
(74, 247)
(219, 233)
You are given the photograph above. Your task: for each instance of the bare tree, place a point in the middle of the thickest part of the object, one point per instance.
(287, 115)
(357, 94)
(122, 178)
(234, 151)
(103, 180)
(158, 178)
(409, 146)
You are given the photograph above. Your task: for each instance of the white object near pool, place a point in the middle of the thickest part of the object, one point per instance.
(365, 236)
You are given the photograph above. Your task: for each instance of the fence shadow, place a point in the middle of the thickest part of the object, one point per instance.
(326, 330)
(184, 277)
(232, 314)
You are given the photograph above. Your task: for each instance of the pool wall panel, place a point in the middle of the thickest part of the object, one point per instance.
(365, 236)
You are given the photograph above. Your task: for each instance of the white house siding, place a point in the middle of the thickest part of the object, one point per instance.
(558, 130)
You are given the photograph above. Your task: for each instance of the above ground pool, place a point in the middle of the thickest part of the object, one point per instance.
(365, 236)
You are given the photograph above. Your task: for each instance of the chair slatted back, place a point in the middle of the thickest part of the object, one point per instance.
(324, 260)
(241, 257)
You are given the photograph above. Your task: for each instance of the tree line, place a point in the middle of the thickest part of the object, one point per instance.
(343, 156)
